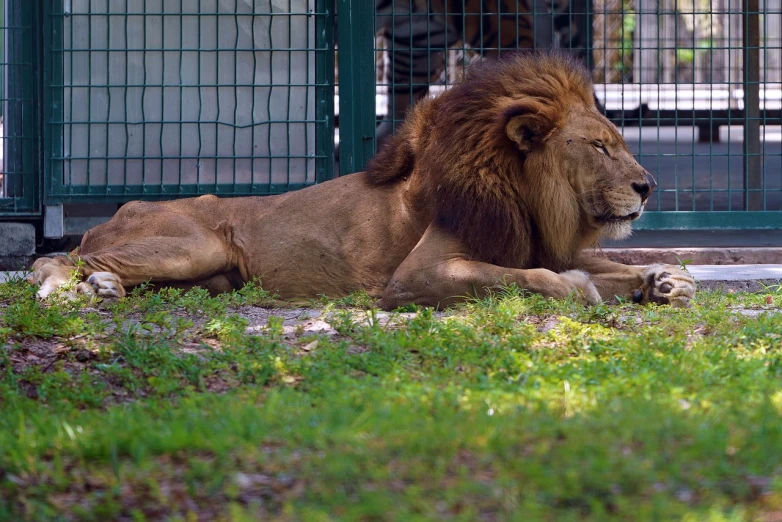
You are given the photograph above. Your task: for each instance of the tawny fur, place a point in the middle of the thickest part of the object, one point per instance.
(505, 178)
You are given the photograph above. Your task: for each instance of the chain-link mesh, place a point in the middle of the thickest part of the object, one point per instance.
(162, 98)
(694, 85)
(18, 124)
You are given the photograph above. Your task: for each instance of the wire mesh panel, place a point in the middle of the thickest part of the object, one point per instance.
(18, 123)
(700, 103)
(694, 85)
(423, 46)
(162, 98)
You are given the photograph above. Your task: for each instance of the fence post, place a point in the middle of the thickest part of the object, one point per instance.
(324, 92)
(355, 38)
(753, 161)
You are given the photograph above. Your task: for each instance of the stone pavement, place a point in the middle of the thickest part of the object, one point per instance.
(735, 272)
(739, 277)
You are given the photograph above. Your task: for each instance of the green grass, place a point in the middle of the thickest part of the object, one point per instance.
(161, 406)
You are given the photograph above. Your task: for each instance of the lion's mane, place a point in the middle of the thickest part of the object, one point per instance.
(507, 209)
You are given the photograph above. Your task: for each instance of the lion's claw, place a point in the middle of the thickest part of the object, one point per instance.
(583, 287)
(638, 296)
(666, 285)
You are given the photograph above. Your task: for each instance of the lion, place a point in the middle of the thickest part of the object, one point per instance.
(510, 177)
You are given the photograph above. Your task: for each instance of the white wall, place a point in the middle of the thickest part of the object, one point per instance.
(170, 80)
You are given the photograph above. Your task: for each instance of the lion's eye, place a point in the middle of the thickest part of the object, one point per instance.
(599, 145)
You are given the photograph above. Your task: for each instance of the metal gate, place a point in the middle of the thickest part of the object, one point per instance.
(111, 100)
(171, 98)
(695, 86)
(19, 110)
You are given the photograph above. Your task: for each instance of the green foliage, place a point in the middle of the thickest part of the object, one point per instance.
(772, 289)
(359, 299)
(683, 263)
(514, 407)
(629, 20)
(685, 55)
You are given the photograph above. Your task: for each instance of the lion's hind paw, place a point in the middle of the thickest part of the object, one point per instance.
(106, 284)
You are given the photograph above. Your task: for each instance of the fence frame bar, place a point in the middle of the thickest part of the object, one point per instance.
(754, 195)
(355, 34)
(324, 92)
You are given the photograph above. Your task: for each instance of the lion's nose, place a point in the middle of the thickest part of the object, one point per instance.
(643, 189)
(650, 181)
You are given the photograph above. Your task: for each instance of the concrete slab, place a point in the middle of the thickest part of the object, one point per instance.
(5, 276)
(16, 262)
(17, 239)
(735, 272)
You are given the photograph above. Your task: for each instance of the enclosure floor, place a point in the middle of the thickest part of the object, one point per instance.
(715, 273)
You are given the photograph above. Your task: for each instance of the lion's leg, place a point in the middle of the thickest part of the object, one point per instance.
(661, 284)
(611, 279)
(53, 273)
(437, 273)
(144, 242)
(155, 259)
(215, 285)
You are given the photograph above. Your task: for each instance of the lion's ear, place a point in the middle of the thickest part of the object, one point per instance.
(529, 124)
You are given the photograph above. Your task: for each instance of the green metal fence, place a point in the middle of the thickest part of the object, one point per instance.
(111, 100)
(166, 98)
(695, 86)
(19, 145)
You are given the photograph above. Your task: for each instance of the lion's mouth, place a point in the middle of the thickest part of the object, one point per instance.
(613, 218)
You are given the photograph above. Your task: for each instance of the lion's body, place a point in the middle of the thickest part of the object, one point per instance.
(330, 239)
(506, 178)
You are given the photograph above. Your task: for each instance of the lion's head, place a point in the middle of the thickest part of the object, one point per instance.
(571, 141)
(520, 163)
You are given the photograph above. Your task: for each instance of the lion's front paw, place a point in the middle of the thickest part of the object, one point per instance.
(581, 285)
(666, 284)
